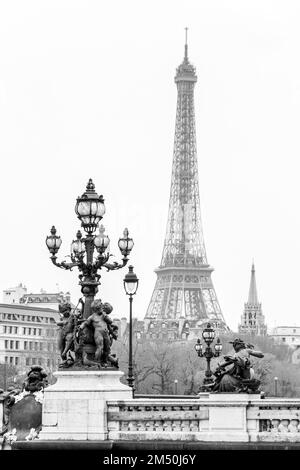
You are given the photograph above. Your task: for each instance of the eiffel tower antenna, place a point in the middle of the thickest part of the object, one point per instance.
(186, 45)
(184, 291)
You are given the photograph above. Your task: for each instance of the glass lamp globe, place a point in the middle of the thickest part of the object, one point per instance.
(125, 243)
(53, 241)
(90, 208)
(208, 334)
(101, 241)
(218, 346)
(198, 347)
(131, 282)
(77, 245)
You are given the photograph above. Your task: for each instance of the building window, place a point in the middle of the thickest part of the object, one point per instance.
(17, 344)
(17, 361)
(24, 331)
(11, 360)
(48, 362)
(10, 329)
(283, 340)
(27, 361)
(34, 331)
(11, 345)
(30, 345)
(25, 344)
(35, 346)
(4, 329)
(40, 331)
(6, 344)
(293, 339)
(16, 329)
(6, 359)
(33, 361)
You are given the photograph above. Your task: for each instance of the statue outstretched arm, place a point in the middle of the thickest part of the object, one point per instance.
(228, 360)
(255, 353)
(87, 322)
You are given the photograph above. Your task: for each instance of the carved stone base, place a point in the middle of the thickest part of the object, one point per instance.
(75, 406)
(228, 418)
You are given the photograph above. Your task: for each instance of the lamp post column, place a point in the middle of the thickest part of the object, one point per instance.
(130, 285)
(208, 335)
(208, 355)
(130, 378)
(276, 386)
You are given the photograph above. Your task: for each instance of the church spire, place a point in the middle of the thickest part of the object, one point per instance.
(253, 320)
(252, 298)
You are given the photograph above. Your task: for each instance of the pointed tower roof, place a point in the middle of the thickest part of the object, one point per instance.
(252, 297)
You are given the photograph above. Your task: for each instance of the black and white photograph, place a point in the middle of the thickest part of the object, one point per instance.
(150, 236)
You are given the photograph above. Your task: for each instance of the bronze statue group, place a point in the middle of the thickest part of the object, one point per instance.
(236, 374)
(87, 342)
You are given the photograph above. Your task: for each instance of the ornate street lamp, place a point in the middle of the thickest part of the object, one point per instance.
(131, 283)
(208, 335)
(89, 253)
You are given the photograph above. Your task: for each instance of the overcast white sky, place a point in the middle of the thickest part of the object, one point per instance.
(87, 90)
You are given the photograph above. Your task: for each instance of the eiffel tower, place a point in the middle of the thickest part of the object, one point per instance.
(184, 298)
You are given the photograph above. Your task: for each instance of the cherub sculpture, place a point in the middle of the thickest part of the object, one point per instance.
(36, 379)
(66, 332)
(239, 377)
(103, 331)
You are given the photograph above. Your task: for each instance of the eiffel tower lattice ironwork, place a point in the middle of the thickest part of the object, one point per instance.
(184, 289)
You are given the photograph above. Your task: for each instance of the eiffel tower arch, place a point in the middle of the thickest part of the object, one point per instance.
(184, 298)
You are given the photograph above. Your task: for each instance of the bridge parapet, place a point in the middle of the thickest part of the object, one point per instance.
(277, 420)
(220, 417)
(208, 418)
(156, 419)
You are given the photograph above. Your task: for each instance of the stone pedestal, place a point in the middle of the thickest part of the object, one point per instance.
(75, 406)
(228, 418)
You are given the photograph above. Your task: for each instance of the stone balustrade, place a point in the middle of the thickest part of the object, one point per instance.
(156, 419)
(215, 417)
(277, 419)
(219, 417)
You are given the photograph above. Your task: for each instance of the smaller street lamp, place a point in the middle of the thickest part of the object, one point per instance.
(175, 386)
(208, 335)
(131, 283)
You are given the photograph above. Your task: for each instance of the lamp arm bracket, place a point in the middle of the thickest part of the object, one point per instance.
(63, 264)
(115, 265)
